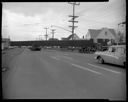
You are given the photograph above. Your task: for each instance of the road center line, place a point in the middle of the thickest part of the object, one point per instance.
(104, 68)
(84, 68)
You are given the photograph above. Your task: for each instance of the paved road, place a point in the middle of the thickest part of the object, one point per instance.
(53, 74)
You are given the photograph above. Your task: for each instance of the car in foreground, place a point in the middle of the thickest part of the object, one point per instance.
(115, 54)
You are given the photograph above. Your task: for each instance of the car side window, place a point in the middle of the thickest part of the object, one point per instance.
(110, 49)
(113, 49)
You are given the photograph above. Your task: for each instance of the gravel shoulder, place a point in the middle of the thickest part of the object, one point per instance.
(9, 55)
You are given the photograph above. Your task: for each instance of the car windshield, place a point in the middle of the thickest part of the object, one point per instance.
(112, 49)
(121, 50)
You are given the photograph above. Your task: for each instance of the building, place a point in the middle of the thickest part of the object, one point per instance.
(5, 43)
(103, 35)
(71, 37)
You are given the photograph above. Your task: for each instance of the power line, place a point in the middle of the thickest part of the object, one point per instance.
(61, 28)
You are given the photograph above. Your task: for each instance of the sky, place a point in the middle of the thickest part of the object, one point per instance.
(23, 21)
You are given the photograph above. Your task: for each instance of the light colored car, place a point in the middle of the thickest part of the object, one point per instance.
(115, 54)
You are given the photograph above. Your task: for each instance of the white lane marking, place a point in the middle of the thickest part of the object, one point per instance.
(104, 68)
(66, 54)
(84, 68)
(55, 58)
(67, 57)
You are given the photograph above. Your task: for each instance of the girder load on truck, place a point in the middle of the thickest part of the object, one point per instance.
(81, 45)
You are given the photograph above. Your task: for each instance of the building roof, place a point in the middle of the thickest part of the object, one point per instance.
(95, 32)
(112, 31)
(63, 38)
(74, 36)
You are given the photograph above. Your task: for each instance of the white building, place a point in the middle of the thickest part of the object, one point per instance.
(101, 35)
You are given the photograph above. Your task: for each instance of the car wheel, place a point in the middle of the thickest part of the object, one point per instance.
(100, 60)
(4, 69)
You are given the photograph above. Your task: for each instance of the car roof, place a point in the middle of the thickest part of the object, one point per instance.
(124, 46)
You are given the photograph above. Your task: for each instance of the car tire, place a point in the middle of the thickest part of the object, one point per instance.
(100, 60)
(4, 69)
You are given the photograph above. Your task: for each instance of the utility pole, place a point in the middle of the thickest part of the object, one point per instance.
(53, 33)
(40, 37)
(73, 17)
(46, 33)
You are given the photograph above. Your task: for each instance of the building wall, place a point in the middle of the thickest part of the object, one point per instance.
(88, 35)
(103, 37)
(105, 34)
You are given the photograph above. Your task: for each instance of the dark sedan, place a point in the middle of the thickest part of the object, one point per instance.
(35, 48)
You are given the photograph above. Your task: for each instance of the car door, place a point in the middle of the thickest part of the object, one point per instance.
(109, 55)
(112, 55)
(120, 55)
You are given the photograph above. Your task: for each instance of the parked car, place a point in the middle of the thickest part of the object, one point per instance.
(115, 54)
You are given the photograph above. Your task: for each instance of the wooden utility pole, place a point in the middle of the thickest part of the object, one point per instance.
(46, 33)
(40, 37)
(53, 33)
(73, 18)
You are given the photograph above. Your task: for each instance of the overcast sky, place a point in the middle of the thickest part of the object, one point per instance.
(26, 21)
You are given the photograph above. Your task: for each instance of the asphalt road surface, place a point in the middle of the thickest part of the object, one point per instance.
(51, 74)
